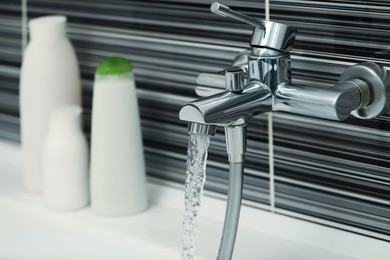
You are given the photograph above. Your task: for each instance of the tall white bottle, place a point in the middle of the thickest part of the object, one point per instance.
(49, 79)
(118, 182)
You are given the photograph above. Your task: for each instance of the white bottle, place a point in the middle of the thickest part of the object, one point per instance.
(118, 182)
(49, 79)
(65, 161)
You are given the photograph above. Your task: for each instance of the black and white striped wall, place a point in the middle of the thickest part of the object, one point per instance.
(333, 173)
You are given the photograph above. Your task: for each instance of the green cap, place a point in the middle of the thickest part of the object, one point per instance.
(114, 66)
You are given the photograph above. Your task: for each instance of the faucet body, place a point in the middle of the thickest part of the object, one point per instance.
(363, 89)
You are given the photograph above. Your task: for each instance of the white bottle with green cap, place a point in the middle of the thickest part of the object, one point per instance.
(118, 181)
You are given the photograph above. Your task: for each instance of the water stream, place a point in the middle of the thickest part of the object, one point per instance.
(196, 177)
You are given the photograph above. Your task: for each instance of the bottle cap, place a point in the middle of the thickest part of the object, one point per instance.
(114, 66)
(48, 28)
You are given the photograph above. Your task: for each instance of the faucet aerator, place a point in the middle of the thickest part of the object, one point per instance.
(201, 129)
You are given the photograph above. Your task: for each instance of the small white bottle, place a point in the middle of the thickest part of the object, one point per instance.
(65, 161)
(118, 181)
(49, 79)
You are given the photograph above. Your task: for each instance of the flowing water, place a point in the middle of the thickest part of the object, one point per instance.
(196, 177)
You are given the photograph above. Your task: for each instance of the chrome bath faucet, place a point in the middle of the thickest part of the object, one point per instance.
(259, 81)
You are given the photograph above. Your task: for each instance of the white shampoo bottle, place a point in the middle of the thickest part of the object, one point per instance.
(118, 181)
(49, 79)
(65, 161)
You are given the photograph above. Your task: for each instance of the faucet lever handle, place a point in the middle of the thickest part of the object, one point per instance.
(225, 11)
(266, 34)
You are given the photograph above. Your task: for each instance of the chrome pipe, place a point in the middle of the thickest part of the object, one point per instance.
(327, 103)
(236, 143)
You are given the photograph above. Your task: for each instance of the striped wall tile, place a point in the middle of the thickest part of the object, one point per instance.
(337, 171)
(10, 58)
(329, 172)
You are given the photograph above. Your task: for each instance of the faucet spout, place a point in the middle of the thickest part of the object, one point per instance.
(229, 108)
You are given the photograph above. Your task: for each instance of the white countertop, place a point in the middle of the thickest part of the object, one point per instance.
(29, 231)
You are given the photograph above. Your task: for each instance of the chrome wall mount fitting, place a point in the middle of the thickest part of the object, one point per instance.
(375, 97)
(259, 81)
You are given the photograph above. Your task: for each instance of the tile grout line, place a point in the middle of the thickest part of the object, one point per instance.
(266, 9)
(270, 140)
(271, 163)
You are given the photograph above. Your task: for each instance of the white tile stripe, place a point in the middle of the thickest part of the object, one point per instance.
(266, 10)
(271, 163)
(270, 140)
